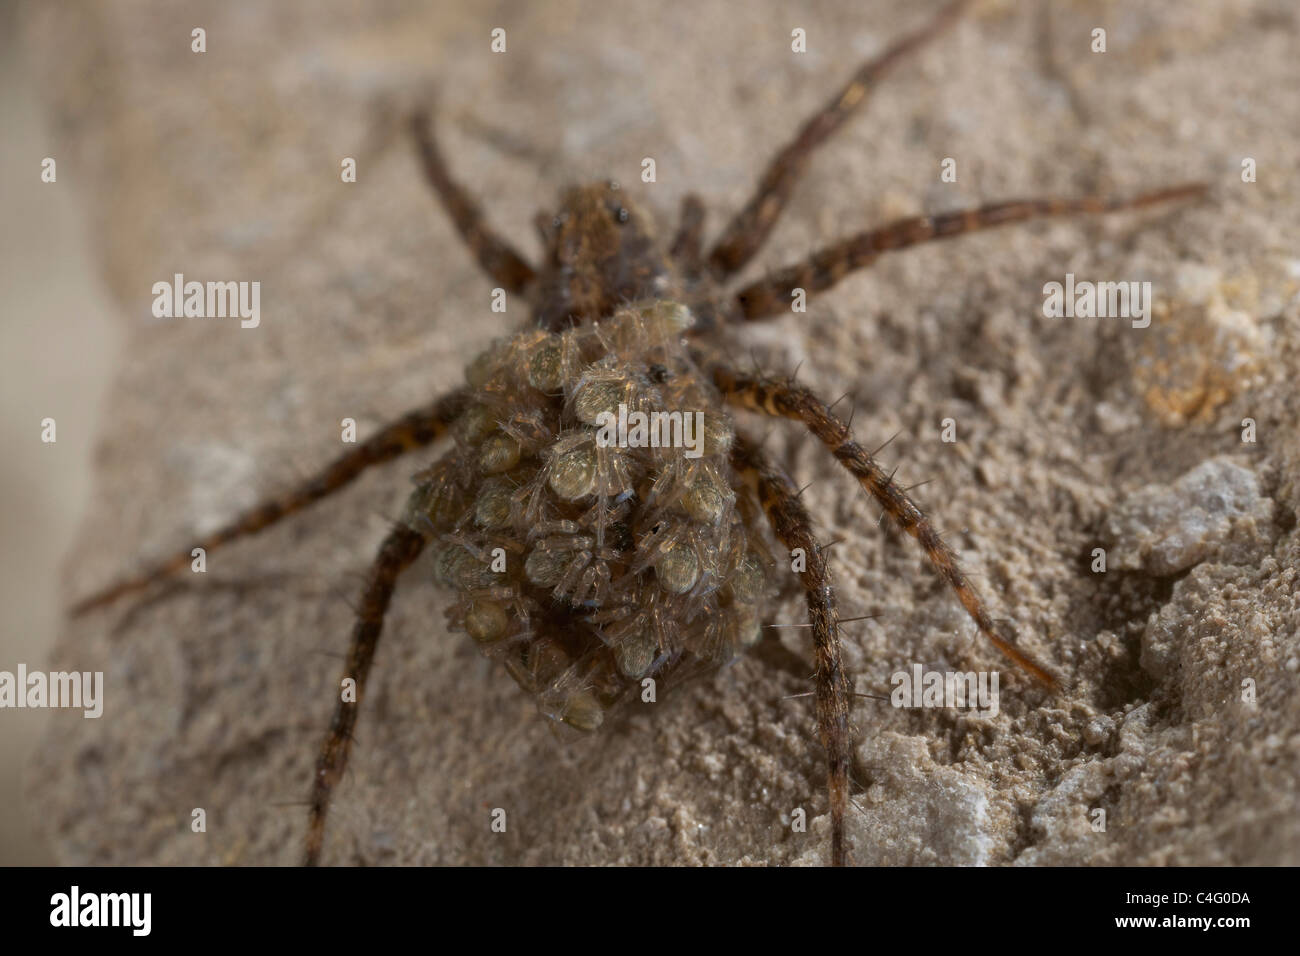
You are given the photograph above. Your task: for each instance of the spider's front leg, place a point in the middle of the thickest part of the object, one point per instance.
(784, 399)
(770, 296)
(687, 246)
(792, 525)
(413, 430)
(496, 256)
(747, 232)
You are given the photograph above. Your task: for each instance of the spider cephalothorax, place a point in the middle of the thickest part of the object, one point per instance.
(587, 517)
(601, 251)
(588, 559)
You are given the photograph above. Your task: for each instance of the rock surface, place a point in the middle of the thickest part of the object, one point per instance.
(1164, 529)
(1181, 720)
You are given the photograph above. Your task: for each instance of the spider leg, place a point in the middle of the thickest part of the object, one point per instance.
(687, 243)
(745, 234)
(413, 430)
(497, 257)
(771, 295)
(785, 400)
(791, 524)
(399, 550)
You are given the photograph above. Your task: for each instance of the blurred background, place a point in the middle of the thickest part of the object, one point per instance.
(57, 344)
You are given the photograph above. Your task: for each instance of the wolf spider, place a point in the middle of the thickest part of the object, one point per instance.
(627, 563)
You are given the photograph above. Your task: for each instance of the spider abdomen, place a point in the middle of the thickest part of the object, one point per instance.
(589, 518)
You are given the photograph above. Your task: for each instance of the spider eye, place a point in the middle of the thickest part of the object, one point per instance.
(622, 214)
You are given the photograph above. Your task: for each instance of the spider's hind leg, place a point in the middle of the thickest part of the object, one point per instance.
(413, 430)
(398, 552)
(792, 525)
(784, 399)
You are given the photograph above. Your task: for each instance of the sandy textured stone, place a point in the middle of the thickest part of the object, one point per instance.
(1164, 529)
(226, 165)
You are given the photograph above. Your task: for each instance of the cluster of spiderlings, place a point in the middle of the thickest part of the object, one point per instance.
(583, 565)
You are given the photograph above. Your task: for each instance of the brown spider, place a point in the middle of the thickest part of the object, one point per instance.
(589, 567)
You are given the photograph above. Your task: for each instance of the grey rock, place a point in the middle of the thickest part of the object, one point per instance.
(1164, 529)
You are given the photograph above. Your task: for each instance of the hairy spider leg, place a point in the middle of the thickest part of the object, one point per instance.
(793, 527)
(687, 246)
(413, 430)
(772, 295)
(747, 232)
(398, 552)
(497, 257)
(783, 399)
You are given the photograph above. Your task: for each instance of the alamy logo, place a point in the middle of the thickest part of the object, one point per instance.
(103, 909)
(211, 300)
(79, 690)
(976, 690)
(1098, 300)
(651, 430)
